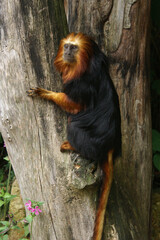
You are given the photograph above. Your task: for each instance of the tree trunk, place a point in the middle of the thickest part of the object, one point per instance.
(33, 129)
(121, 30)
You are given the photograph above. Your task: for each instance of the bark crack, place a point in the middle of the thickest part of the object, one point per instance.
(52, 220)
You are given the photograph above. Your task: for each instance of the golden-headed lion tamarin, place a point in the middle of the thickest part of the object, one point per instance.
(90, 99)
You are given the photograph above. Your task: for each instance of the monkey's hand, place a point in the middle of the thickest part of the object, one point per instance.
(33, 92)
(60, 99)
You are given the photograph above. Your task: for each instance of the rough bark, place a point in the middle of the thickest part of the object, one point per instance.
(33, 129)
(121, 30)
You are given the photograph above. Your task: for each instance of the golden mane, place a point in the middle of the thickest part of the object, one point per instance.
(76, 69)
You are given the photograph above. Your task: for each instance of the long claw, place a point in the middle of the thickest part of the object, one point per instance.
(31, 91)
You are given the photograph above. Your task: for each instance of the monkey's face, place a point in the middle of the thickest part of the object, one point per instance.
(69, 52)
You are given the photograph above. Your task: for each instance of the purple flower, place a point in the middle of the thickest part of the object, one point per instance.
(4, 145)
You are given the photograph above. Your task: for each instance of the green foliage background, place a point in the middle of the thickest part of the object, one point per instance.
(155, 86)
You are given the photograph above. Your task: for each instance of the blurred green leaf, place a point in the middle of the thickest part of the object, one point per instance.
(5, 223)
(26, 230)
(2, 229)
(2, 192)
(5, 237)
(1, 203)
(155, 141)
(6, 158)
(156, 161)
(23, 239)
(29, 218)
(8, 196)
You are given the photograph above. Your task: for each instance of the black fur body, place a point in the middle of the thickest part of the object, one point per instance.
(97, 129)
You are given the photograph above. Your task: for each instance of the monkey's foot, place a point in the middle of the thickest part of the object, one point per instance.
(66, 146)
(36, 92)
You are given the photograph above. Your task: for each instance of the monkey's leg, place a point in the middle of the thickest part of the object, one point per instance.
(66, 146)
(60, 99)
(106, 186)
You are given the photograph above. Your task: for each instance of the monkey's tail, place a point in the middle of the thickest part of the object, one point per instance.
(106, 186)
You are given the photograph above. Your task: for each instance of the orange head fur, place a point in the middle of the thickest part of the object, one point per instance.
(75, 69)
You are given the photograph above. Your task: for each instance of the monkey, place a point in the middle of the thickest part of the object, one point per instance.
(91, 102)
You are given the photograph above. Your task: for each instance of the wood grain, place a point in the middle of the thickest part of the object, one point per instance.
(121, 28)
(34, 129)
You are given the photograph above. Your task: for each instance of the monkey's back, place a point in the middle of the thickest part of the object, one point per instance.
(96, 130)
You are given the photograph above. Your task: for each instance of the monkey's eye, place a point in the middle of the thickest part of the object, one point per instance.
(74, 46)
